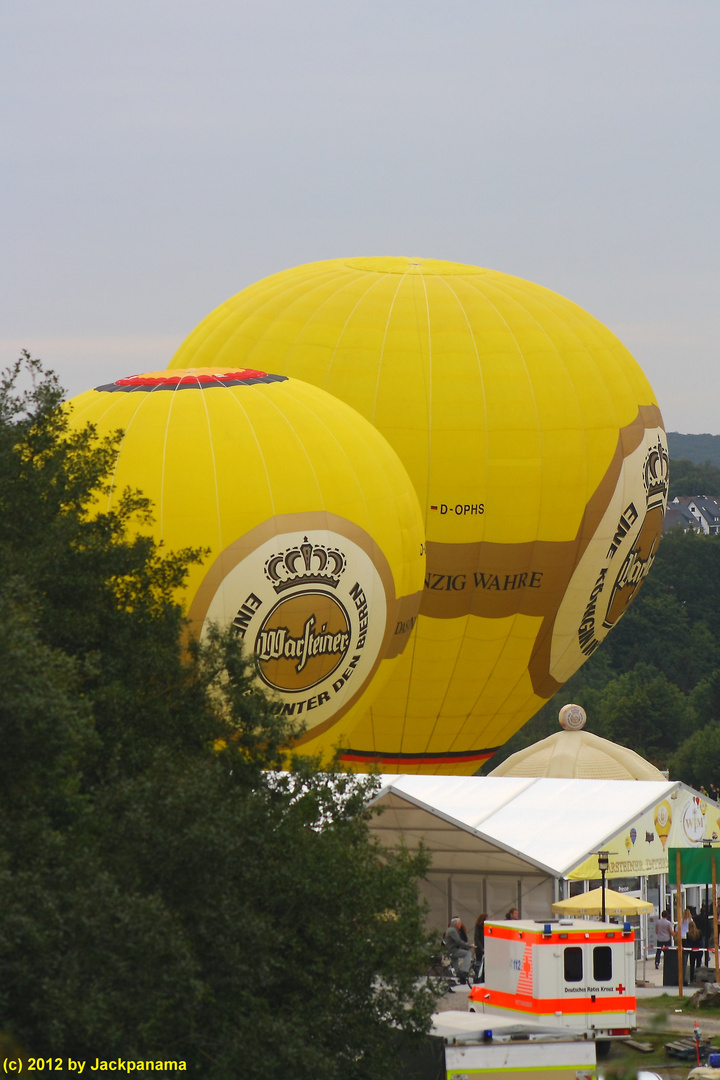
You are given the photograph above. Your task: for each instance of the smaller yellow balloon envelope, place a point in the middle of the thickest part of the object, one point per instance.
(314, 529)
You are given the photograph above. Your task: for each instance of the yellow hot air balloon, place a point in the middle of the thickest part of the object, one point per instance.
(537, 450)
(314, 529)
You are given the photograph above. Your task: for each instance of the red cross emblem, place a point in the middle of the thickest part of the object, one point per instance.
(620, 988)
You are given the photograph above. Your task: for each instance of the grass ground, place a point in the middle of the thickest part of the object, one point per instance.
(661, 1020)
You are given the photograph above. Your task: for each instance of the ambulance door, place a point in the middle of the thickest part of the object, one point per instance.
(601, 971)
(575, 975)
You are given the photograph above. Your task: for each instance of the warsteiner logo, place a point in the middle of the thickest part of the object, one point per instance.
(312, 608)
(618, 554)
(635, 539)
(313, 598)
(277, 642)
(306, 636)
(641, 556)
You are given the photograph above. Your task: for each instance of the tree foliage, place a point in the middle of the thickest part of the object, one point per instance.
(696, 448)
(165, 891)
(694, 477)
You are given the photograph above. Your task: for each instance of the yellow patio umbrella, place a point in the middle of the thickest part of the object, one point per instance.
(590, 903)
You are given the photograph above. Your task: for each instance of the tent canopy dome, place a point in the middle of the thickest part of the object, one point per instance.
(576, 753)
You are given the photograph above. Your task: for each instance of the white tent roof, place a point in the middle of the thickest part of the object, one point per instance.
(511, 822)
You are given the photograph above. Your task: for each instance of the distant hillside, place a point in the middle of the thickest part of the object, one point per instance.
(687, 478)
(696, 448)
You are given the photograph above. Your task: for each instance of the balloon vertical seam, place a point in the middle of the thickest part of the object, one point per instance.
(430, 394)
(201, 388)
(284, 419)
(126, 429)
(471, 333)
(251, 428)
(382, 350)
(164, 457)
(363, 296)
(509, 641)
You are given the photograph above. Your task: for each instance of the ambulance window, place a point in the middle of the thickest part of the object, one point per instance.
(573, 964)
(602, 963)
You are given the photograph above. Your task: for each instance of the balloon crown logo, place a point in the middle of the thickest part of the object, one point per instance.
(320, 566)
(657, 474)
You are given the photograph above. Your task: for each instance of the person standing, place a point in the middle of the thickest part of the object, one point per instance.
(480, 945)
(710, 941)
(458, 947)
(690, 939)
(664, 931)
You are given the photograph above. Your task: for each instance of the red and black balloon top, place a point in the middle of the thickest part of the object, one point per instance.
(197, 379)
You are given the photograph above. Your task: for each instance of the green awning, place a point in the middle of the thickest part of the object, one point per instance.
(695, 865)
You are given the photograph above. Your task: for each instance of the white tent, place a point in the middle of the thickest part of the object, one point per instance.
(498, 842)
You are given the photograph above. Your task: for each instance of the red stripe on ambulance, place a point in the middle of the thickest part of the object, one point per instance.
(549, 1006)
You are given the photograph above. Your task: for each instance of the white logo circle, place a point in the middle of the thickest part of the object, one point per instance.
(311, 607)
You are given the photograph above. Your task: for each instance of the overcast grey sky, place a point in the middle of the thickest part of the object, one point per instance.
(160, 155)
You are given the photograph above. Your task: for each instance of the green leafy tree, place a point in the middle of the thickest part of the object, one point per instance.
(696, 448)
(693, 478)
(165, 891)
(687, 567)
(697, 760)
(705, 699)
(644, 710)
(659, 628)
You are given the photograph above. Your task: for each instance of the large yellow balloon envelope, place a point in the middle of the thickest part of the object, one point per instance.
(535, 445)
(314, 529)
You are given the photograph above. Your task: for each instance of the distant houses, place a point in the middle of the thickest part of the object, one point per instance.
(699, 512)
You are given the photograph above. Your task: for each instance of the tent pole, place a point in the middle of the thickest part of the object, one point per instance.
(714, 915)
(679, 923)
(643, 927)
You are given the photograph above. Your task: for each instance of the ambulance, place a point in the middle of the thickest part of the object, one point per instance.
(573, 973)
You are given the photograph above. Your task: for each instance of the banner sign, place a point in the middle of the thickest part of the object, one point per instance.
(683, 820)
